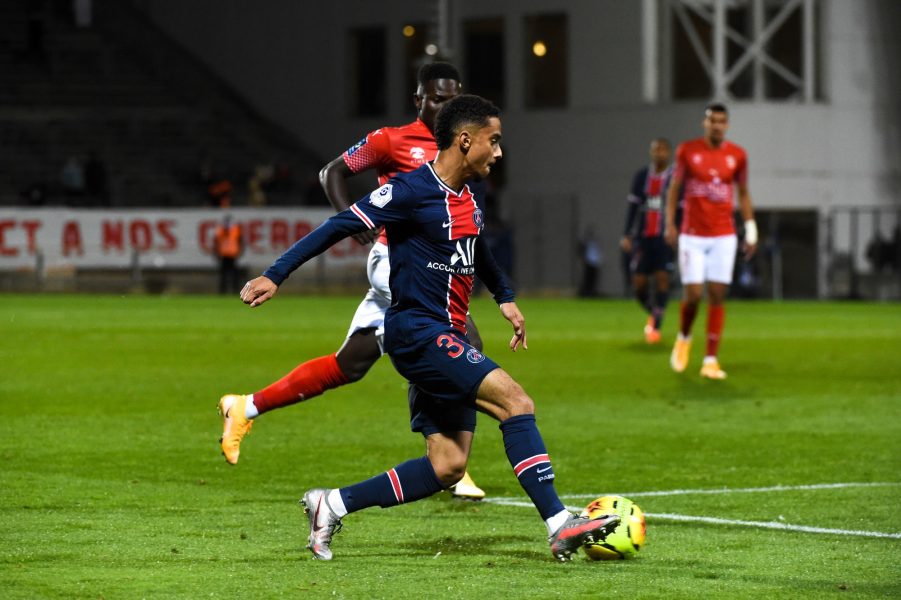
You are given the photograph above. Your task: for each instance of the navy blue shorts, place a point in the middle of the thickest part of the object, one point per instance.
(651, 255)
(444, 371)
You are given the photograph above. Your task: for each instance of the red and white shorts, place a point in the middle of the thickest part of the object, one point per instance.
(707, 258)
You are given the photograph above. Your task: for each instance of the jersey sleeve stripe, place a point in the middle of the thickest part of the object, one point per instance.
(362, 216)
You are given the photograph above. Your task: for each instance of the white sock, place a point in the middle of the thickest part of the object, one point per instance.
(336, 503)
(683, 338)
(250, 409)
(554, 523)
(709, 359)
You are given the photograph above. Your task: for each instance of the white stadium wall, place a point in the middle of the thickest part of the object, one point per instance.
(289, 59)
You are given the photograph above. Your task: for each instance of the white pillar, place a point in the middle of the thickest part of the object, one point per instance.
(719, 50)
(809, 48)
(649, 47)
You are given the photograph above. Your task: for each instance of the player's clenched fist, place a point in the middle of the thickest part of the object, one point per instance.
(256, 291)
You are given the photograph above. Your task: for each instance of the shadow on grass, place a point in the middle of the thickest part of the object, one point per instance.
(491, 546)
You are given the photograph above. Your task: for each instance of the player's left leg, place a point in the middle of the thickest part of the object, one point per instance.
(639, 266)
(643, 296)
(505, 400)
(660, 266)
(661, 297)
(716, 318)
(719, 276)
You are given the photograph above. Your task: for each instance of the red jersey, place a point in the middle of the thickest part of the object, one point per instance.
(392, 150)
(708, 177)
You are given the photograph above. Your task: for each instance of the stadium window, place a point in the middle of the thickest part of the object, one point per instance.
(768, 48)
(368, 69)
(546, 61)
(484, 46)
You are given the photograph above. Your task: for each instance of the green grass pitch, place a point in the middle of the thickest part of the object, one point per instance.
(112, 485)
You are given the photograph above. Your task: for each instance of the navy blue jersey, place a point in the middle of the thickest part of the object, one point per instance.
(645, 217)
(434, 248)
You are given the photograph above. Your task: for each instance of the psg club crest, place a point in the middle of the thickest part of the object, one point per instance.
(474, 356)
(478, 218)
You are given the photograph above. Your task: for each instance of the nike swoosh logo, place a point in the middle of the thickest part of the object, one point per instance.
(316, 526)
(448, 223)
(543, 470)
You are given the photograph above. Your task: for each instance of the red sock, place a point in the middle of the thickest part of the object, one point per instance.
(687, 314)
(716, 317)
(306, 381)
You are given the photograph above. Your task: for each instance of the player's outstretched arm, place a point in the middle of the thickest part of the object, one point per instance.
(511, 313)
(258, 290)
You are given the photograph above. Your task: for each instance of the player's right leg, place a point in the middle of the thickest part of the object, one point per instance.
(443, 465)
(360, 351)
(505, 400)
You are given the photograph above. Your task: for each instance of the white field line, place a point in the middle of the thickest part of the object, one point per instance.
(733, 522)
(773, 488)
(774, 525)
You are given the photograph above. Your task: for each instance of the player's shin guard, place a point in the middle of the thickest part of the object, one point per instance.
(716, 318)
(526, 452)
(407, 482)
(687, 313)
(306, 381)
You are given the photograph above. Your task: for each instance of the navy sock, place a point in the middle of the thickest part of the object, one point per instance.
(526, 452)
(407, 482)
(644, 298)
(660, 300)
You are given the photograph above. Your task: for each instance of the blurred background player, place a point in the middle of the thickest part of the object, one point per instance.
(227, 243)
(643, 236)
(710, 168)
(434, 225)
(388, 151)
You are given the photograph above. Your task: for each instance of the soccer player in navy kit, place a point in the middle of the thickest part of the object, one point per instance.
(643, 236)
(387, 151)
(433, 227)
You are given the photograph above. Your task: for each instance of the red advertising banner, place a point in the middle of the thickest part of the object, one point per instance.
(173, 238)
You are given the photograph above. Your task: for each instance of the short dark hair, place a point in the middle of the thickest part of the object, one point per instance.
(437, 70)
(716, 107)
(662, 140)
(465, 108)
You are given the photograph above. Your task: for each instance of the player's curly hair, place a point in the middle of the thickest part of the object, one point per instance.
(463, 109)
(437, 70)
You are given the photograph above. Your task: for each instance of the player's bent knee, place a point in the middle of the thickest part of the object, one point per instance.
(521, 404)
(449, 472)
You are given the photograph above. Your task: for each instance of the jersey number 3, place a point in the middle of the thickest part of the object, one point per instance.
(454, 346)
